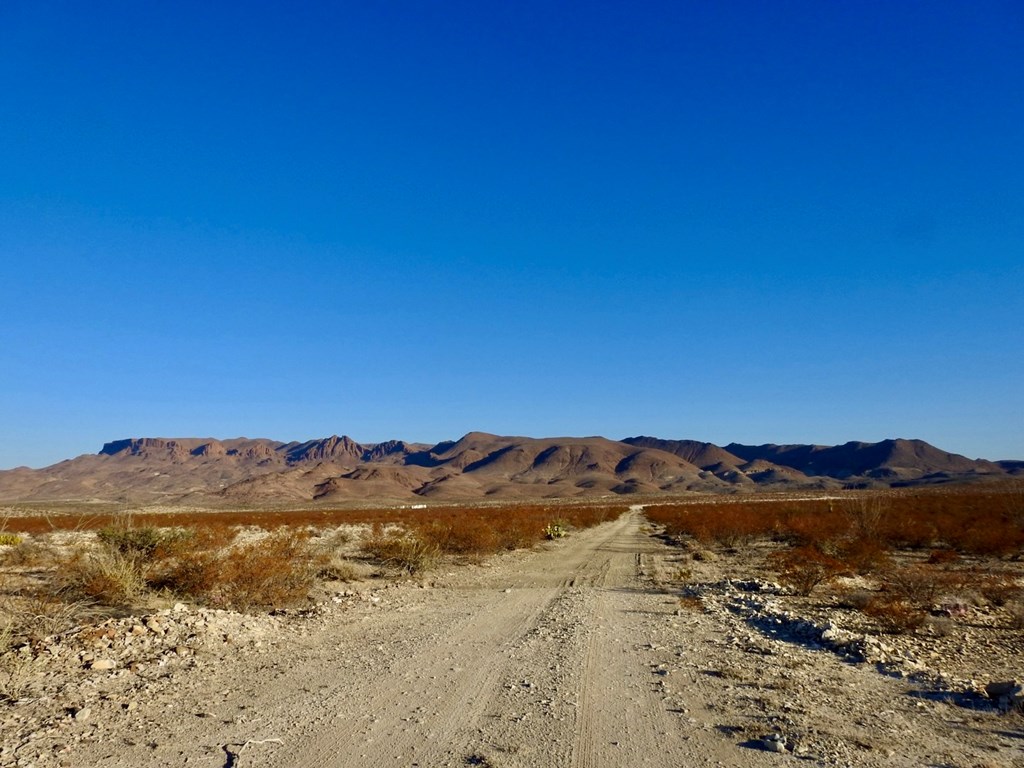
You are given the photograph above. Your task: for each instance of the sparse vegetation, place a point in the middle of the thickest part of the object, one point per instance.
(404, 551)
(105, 577)
(116, 559)
(967, 521)
(882, 537)
(894, 614)
(805, 567)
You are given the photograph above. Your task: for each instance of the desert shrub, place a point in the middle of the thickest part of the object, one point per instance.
(728, 524)
(733, 527)
(9, 539)
(862, 555)
(998, 588)
(981, 521)
(329, 563)
(894, 614)
(105, 577)
(994, 537)
(804, 568)
(812, 525)
(7, 635)
(38, 612)
(863, 516)
(27, 554)
(331, 541)
(194, 574)
(16, 671)
(682, 574)
(130, 541)
(515, 532)
(271, 572)
(470, 537)
(275, 570)
(918, 585)
(131, 561)
(148, 542)
(337, 569)
(910, 532)
(404, 551)
(578, 515)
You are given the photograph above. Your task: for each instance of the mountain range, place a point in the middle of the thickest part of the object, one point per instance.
(336, 470)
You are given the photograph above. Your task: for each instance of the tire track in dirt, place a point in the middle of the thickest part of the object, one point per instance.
(426, 708)
(624, 716)
(420, 704)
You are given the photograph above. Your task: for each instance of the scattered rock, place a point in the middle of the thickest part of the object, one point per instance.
(776, 742)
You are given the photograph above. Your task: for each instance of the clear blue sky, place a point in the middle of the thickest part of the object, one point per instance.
(750, 221)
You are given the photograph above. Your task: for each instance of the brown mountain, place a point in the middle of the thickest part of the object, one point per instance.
(703, 455)
(337, 469)
(891, 461)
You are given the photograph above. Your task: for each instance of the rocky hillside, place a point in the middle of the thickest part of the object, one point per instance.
(337, 469)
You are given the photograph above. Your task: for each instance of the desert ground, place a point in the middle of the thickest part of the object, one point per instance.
(616, 645)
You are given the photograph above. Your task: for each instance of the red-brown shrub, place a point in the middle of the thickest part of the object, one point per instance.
(982, 521)
(863, 555)
(271, 571)
(919, 585)
(471, 537)
(729, 524)
(804, 568)
(894, 614)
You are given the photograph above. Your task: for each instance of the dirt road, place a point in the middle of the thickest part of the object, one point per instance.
(572, 655)
(530, 665)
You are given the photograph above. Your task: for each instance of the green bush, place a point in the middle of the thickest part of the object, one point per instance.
(554, 530)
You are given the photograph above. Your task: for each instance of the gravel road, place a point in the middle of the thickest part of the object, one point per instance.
(532, 663)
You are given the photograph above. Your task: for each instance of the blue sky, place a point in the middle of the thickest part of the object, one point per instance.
(738, 221)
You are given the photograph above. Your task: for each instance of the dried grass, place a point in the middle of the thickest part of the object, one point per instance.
(105, 577)
(405, 551)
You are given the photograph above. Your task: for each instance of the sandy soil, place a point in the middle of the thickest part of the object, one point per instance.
(577, 654)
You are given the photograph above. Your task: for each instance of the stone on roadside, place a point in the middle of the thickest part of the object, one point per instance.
(776, 742)
(997, 689)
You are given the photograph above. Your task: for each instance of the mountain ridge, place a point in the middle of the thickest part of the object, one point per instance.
(338, 469)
